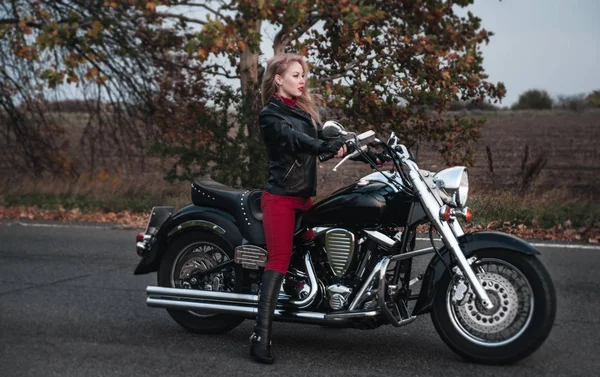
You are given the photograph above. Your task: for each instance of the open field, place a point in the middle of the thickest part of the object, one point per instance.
(568, 140)
(563, 192)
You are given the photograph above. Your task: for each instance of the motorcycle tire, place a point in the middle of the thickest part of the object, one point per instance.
(461, 326)
(193, 321)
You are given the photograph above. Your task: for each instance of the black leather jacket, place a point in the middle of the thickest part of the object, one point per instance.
(292, 147)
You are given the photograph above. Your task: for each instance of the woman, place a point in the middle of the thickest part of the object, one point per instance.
(288, 124)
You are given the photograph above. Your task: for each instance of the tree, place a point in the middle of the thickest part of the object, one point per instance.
(114, 54)
(384, 65)
(594, 98)
(575, 102)
(534, 99)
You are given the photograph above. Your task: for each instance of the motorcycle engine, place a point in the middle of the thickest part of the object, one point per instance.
(339, 245)
(296, 284)
(338, 296)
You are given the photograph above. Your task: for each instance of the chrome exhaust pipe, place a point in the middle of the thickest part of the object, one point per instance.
(169, 303)
(245, 306)
(175, 294)
(246, 311)
(235, 298)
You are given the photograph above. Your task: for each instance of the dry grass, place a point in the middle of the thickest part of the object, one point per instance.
(104, 193)
(538, 210)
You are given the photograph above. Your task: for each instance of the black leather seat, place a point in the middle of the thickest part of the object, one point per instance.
(243, 205)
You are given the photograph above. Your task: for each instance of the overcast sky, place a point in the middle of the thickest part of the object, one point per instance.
(546, 44)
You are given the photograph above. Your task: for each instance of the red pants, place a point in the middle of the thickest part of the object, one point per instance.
(279, 220)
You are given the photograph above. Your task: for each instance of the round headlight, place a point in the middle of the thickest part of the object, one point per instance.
(452, 184)
(463, 190)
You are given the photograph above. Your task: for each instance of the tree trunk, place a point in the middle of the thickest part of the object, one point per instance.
(251, 106)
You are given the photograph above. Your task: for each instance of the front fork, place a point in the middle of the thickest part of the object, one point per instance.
(449, 235)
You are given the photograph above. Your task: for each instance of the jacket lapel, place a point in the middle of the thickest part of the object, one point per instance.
(290, 110)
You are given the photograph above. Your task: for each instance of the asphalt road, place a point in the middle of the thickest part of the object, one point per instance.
(70, 306)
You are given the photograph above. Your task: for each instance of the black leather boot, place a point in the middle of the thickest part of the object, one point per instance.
(260, 340)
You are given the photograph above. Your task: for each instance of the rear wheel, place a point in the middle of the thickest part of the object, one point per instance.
(523, 314)
(192, 252)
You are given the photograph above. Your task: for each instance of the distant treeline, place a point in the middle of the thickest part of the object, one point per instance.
(536, 99)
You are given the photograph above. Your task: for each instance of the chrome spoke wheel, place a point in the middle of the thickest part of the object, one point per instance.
(198, 257)
(513, 300)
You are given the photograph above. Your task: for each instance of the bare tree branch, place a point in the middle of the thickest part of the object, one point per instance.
(211, 10)
(288, 34)
(181, 17)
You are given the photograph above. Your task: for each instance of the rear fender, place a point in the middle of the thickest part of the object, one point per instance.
(189, 218)
(469, 243)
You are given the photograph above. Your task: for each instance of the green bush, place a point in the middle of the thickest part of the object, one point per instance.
(534, 99)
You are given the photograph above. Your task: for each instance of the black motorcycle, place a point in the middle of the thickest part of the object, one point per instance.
(490, 298)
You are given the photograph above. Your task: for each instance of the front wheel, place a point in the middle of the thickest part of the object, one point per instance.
(523, 314)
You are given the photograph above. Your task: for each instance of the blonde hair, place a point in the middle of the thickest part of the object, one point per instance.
(278, 65)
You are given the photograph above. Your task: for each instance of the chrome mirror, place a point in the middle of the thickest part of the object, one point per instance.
(332, 129)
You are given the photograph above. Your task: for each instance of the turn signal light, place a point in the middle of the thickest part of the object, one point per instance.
(445, 213)
(139, 237)
(468, 214)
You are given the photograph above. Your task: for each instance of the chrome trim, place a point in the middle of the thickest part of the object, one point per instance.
(140, 248)
(449, 178)
(431, 207)
(314, 286)
(248, 311)
(456, 228)
(382, 177)
(333, 129)
(194, 294)
(200, 223)
(412, 254)
(250, 256)
(160, 293)
(380, 238)
(357, 314)
(339, 245)
(453, 185)
(307, 315)
(466, 334)
(338, 296)
(251, 311)
(320, 230)
(379, 267)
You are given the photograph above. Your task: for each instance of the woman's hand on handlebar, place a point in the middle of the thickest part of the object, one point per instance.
(334, 148)
(342, 151)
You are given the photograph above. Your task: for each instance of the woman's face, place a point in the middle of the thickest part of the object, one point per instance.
(291, 85)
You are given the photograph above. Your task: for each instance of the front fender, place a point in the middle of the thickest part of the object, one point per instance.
(188, 218)
(469, 243)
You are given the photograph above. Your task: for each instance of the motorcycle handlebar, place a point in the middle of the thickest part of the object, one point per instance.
(326, 156)
(329, 155)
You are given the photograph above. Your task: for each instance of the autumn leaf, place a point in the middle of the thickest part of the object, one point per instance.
(93, 71)
(151, 6)
(202, 54)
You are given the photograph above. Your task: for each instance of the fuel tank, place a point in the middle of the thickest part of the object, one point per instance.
(367, 202)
